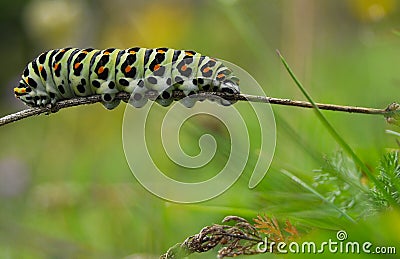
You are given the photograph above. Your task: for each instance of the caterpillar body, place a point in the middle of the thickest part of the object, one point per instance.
(66, 73)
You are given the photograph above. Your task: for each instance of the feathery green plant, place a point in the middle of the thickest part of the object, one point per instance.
(389, 176)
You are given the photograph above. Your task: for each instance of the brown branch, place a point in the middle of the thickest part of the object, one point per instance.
(322, 106)
(389, 112)
(58, 106)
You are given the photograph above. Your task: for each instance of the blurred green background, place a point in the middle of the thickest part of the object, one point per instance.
(66, 190)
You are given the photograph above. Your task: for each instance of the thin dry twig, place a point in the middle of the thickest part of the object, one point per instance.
(388, 112)
(47, 110)
(239, 239)
(242, 238)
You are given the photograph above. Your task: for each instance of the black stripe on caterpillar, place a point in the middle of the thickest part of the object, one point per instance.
(66, 73)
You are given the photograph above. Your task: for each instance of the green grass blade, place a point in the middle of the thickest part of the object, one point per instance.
(337, 137)
(316, 193)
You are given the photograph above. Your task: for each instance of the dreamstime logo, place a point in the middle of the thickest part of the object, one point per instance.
(332, 246)
(341, 235)
(155, 151)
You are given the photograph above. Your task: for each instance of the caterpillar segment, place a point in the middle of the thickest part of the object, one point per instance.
(67, 73)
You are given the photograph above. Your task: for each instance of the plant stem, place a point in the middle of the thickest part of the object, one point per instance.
(178, 95)
(322, 106)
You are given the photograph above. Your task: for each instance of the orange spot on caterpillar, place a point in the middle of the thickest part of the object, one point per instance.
(76, 65)
(40, 68)
(220, 75)
(160, 51)
(188, 53)
(84, 52)
(19, 90)
(206, 69)
(100, 70)
(56, 66)
(184, 67)
(128, 69)
(132, 52)
(156, 67)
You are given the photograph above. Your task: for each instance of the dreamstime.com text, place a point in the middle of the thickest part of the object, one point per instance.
(340, 245)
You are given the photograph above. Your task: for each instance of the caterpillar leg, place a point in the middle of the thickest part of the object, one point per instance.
(190, 90)
(107, 90)
(224, 102)
(165, 98)
(109, 101)
(41, 99)
(188, 102)
(138, 98)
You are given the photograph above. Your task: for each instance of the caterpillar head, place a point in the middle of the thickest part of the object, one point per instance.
(23, 91)
(229, 86)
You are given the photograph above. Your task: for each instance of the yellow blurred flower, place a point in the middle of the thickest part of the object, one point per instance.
(55, 23)
(372, 10)
(154, 24)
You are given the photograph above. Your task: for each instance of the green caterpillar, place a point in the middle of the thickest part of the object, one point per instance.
(71, 72)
